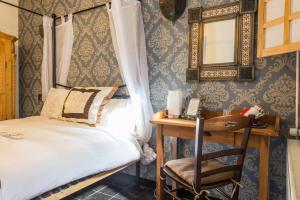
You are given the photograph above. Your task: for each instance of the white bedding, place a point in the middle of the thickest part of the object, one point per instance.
(42, 154)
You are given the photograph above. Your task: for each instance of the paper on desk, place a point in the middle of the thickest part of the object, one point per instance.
(193, 106)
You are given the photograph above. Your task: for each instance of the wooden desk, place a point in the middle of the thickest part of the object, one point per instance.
(185, 129)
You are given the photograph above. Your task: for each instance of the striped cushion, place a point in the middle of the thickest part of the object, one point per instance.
(85, 105)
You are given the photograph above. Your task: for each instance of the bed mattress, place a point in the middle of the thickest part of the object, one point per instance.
(38, 154)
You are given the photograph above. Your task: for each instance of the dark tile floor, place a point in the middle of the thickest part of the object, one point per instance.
(117, 187)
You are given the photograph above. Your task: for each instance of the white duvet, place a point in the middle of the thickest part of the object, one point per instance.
(38, 154)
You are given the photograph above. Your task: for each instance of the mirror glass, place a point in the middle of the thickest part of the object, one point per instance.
(219, 42)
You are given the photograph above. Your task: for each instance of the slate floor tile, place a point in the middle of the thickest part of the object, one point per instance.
(111, 190)
(116, 187)
(99, 196)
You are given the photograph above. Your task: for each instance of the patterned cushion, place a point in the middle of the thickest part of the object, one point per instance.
(184, 169)
(54, 103)
(86, 104)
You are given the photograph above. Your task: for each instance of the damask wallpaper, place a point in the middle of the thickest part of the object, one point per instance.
(94, 63)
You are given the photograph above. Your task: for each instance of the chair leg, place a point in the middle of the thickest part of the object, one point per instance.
(236, 194)
(162, 184)
(137, 173)
(201, 197)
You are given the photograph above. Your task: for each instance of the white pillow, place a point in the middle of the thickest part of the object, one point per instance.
(85, 105)
(118, 116)
(54, 103)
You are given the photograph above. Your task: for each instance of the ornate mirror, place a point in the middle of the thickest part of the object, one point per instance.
(172, 9)
(221, 42)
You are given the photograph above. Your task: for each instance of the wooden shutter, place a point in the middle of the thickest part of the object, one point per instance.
(278, 27)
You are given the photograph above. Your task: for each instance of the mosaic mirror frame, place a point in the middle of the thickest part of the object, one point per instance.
(242, 69)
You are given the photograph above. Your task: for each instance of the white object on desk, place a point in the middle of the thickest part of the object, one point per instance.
(193, 107)
(174, 103)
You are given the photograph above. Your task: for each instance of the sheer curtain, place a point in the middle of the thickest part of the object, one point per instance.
(64, 44)
(128, 36)
(47, 57)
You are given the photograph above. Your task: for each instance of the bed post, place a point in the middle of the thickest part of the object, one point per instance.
(137, 172)
(54, 51)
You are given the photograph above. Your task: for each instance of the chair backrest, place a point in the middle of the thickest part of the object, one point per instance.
(229, 123)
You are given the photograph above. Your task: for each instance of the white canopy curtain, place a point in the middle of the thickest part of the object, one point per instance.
(64, 45)
(47, 57)
(127, 30)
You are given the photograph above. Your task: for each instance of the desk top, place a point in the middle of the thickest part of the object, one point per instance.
(272, 130)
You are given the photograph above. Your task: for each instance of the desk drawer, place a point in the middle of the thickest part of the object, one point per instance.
(179, 132)
(189, 134)
(222, 138)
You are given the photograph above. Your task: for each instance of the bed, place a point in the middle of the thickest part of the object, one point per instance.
(38, 154)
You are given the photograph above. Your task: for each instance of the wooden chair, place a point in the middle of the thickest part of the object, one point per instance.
(204, 171)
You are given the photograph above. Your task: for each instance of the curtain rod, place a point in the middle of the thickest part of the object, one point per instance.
(69, 87)
(85, 10)
(91, 8)
(36, 13)
(10, 4)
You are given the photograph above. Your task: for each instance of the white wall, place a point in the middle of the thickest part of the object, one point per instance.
(9, 25)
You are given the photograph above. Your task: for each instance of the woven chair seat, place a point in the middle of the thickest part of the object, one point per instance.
(184, 169)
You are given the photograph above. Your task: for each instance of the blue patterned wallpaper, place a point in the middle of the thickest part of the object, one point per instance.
(94, 63)
(273, 89)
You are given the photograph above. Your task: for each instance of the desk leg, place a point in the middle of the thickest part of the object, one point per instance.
(174, 142)
(264, 168)
(159, 160)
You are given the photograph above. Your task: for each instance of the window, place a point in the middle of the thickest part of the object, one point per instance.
(278, 27)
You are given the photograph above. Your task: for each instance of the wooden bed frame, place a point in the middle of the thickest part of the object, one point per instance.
(92, 180)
